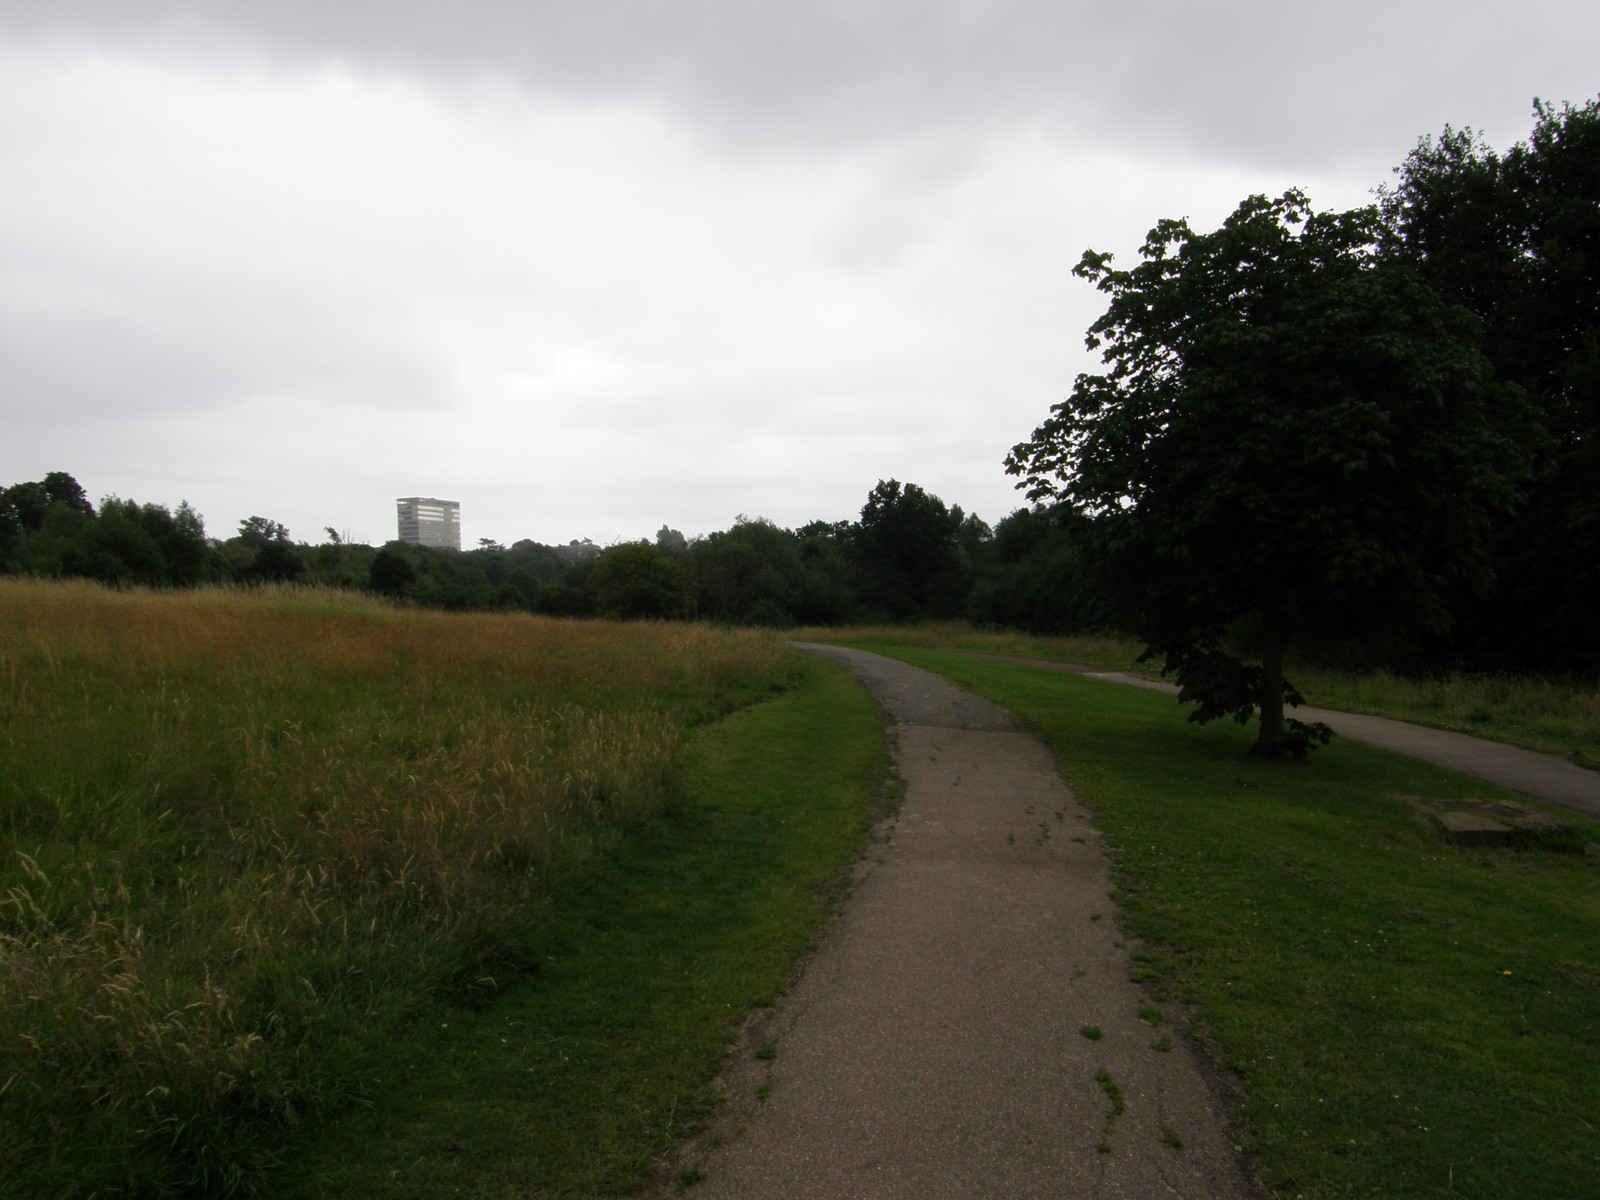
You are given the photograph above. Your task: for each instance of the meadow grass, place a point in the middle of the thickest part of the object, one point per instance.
(577, 1080)
(1556, 716)
(248, 837)
(1404, 1018)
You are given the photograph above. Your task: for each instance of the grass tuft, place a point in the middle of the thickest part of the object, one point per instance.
(1114, 1097)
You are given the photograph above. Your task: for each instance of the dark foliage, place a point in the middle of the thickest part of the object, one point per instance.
(907, 553)
(390, 574)
(1292, 431)
(48, 527)
(1219, 685)
(1516, 239)
(636, 580)
(758, 574)
(1036, 574)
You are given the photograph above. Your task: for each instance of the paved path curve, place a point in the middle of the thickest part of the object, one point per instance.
(932, 1048)
(1542, 776)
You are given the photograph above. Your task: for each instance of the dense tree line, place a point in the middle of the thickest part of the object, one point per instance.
(908, 557)
(1515, 239)
(1369, 437)
(49, 528)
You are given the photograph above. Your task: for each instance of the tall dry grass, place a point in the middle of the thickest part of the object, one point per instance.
(242, 834)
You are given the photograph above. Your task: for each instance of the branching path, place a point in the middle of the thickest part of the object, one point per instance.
(968, 1028)
(1542, 776)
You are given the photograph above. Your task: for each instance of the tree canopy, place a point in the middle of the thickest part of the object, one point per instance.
(907, 550)
(1293, 431)
(634, 580)
(48, 527)
(1515, 237)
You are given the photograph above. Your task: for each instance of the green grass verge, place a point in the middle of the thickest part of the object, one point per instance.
(574, 1083)
(1405, 1018)
(1556, 716)
(1108, 652)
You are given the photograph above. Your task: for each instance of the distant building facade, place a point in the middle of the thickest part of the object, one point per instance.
(425, 521)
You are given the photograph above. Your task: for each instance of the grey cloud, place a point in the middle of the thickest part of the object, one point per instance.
(871, 279)
(1247, 81)
(113, 344)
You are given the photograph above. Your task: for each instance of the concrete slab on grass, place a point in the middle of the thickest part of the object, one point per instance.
(1463, 828)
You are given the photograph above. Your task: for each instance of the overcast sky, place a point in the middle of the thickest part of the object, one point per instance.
(594, 266)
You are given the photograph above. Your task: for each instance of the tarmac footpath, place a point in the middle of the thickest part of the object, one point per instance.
(1543, 776)
(938, 1044)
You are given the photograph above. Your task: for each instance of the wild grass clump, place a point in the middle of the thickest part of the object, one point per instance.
(245, 835)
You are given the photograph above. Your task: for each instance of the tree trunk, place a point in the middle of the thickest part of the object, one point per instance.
(1270, 741)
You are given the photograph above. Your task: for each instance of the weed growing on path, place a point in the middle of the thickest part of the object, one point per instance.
(1114, 1096)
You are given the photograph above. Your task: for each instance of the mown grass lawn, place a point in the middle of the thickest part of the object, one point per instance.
(1555, 716)
(1404, 1018)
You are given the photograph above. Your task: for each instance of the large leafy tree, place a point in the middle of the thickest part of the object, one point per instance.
(1292, 432)
(634, 581)
(1037, 577)
(908, 552)
(751, 574)
(49, 527)
(25, 506)
(390, 573)
(1515, 237)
